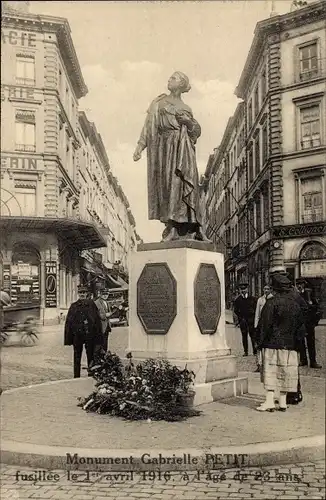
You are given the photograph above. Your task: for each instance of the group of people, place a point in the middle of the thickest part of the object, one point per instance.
(281, 325)
(88, 324)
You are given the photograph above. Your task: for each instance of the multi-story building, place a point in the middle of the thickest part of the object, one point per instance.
(45, 223)
(103, 201)
(278, 184)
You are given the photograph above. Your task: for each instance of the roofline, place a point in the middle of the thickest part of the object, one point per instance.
(60, 26)
(95, 138)
(274, 24)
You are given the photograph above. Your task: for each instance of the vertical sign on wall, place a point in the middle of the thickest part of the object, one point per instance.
(50, 284)
(6, 278)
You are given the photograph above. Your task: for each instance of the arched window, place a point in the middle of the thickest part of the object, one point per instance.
(313, 251)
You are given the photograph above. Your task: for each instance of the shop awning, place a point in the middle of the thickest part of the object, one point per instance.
(82, 235)
(102, 272)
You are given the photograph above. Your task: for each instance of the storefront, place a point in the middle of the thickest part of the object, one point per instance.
(312, 267)
(40, 263)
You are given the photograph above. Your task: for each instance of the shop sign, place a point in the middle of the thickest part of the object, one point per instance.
(19, 163)
(18, 38)
(313, 268)
(50, 284)
(17, 92)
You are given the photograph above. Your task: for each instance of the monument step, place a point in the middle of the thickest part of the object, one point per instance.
(220, 389)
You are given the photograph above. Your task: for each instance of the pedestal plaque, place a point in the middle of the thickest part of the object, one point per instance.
(156, 298)
(207, 297)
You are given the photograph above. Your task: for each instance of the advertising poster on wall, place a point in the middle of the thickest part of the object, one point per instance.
(50, 284)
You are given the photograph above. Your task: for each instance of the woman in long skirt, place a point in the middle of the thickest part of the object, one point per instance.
(279, 342)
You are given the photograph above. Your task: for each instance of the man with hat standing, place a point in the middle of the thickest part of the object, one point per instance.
(311, 321)
(280, 337)
(83, 327)
(245, 308)
(103, 307)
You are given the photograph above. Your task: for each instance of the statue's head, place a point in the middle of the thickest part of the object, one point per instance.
(179, 81)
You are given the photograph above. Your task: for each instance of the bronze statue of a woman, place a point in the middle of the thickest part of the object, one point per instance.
(170, 133)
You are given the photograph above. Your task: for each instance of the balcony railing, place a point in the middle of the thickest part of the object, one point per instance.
(314, 216)
(25, 81)
(309, 74)
(240, 250)
(31, 148)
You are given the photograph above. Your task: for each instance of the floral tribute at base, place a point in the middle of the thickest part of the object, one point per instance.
(152, 390)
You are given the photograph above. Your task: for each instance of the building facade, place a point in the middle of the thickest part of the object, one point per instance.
(103, 201)
(276, 211)
(45, 220)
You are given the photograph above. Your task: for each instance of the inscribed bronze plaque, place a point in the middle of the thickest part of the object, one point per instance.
(156, 298)
(207, 297)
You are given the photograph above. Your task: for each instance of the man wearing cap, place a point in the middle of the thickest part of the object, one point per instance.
(244, 309)
(279, 340)
(83, 327)
(103, 307)
(311, 321)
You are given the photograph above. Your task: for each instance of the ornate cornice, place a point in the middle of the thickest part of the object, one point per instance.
(60, 27)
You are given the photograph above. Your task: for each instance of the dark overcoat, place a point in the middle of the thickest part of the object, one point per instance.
(83, 323)
(281, 323)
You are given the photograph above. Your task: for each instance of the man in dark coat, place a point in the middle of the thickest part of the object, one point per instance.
(83, 327)
(245, 308)
(312, 318)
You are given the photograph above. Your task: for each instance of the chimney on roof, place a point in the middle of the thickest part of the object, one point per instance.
(273, 11)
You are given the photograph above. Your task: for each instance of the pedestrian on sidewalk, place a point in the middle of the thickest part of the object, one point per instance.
(280, 336)
(259, 307)
(105, 313)
(83, 328)
(312, 319)
(245, 308)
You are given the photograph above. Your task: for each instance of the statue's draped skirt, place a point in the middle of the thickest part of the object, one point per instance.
(173, 192)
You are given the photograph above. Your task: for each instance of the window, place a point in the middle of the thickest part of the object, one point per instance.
(25, 193)
(251, 222)
(250, 165)
(60, 81)
(258, 216)
(265, 143)
(25, 69)
(67, 99)
(250, 114)
(73, 112)
(257, 155)
(256, 98)
(311, 200)
(308, 61)
(263, 85)
(266, 208)
(310, 126)
(25, 131)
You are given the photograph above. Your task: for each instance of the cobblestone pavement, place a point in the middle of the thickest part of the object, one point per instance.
(50, 360)
(291, 482)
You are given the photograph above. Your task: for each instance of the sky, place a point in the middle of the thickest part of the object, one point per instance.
(128, 50)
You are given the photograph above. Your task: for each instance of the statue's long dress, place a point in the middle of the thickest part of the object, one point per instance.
(173, 192)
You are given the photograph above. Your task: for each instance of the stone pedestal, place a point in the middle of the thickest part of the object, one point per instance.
(177, 313)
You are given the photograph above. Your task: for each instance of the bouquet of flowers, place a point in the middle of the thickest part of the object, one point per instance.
(150, 390)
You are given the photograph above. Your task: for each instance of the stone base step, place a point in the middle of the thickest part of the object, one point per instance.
(220, 389)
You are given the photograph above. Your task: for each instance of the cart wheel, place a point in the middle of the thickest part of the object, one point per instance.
(28, 339)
